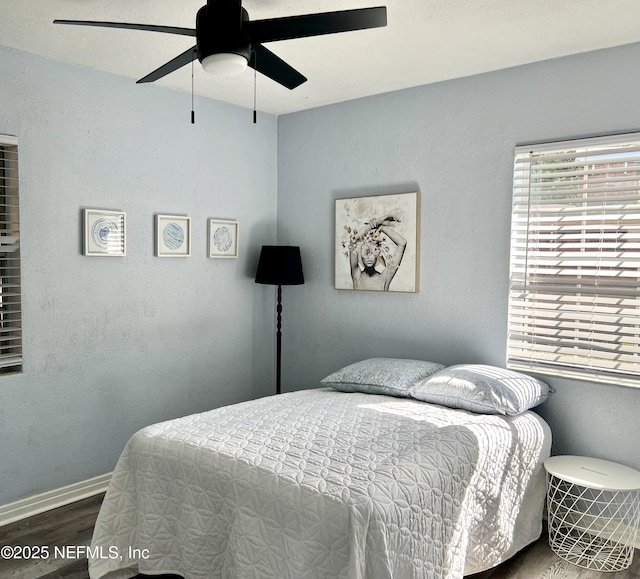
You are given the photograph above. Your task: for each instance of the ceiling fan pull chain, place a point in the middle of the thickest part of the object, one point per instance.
(255, 74)
(193, 114)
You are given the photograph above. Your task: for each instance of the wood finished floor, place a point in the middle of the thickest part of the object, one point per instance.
(73, 525)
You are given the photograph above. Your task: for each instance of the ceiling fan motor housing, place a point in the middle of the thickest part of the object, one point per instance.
(221, 33)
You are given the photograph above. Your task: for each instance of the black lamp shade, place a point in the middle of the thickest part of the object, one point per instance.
(280, 265)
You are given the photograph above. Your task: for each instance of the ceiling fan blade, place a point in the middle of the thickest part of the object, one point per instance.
(129, 26)
(179, 61)
(267, 63)
(289, 27)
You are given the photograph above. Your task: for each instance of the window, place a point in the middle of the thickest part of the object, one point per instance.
(10, 310)
(574, 296)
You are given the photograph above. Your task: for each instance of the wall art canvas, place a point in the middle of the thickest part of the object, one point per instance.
(173, 236)
(377, 243)
(104, 233)
(223, 238)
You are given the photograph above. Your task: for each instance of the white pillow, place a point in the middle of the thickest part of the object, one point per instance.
(482, 389)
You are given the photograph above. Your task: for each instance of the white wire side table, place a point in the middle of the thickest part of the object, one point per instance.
(594, 511)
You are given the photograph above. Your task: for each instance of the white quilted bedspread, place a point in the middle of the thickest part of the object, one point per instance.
(322, 484)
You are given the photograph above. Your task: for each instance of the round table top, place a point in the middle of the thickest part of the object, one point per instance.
(594, 473)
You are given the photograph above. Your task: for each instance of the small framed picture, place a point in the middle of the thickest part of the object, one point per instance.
(104, 233)
(173, 236)
(223, 238)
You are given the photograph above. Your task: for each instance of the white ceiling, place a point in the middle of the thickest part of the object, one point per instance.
(425, 41)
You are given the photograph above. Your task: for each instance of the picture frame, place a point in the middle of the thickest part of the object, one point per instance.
(377, 243)
(104, 233)
(173, 236)
(223, 238)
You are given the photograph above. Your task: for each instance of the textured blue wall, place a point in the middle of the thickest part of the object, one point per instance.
(454, 142)
(114, 344)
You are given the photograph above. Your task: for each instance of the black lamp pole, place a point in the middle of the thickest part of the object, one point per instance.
(279, 265)
(279, 341)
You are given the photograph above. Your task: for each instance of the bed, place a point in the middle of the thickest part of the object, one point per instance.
(324, 484)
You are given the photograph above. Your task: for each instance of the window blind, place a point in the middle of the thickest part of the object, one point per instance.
(10, 293)
(574, 299)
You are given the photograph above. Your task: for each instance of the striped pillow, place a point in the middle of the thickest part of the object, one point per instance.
(481, 389)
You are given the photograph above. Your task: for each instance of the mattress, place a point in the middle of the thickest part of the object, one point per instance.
(322, 484)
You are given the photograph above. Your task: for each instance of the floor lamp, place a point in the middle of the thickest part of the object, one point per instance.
(279, 265)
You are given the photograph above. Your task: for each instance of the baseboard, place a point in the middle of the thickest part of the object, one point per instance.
(37, 504)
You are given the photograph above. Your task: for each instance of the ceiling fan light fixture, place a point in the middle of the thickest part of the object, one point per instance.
(224, 64)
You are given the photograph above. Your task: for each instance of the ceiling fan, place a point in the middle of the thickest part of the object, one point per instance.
(227, 41)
